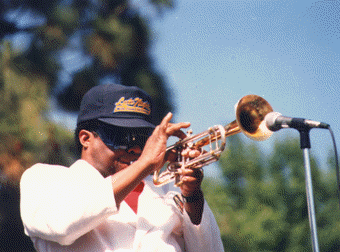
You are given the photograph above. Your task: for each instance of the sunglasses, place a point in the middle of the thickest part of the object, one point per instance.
(123, 138)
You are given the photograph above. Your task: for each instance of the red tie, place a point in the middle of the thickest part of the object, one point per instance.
(132, 198)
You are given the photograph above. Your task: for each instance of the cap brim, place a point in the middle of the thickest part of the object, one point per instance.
(129, 123)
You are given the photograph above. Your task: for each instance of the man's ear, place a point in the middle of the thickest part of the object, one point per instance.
(84, 137)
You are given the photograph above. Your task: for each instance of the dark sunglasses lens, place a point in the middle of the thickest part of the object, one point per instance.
(137, 139)
(109, 137)
(122, 138)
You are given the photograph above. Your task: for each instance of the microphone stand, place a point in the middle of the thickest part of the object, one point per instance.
(305, 146)
(274, 122)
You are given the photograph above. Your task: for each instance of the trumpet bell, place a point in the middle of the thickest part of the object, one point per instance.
(250, 113)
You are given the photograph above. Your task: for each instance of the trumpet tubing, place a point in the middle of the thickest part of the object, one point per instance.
(250, 113)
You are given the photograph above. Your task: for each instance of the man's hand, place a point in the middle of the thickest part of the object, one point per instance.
(154, 152)
(191, 179)
(154, 156)
(151, 158)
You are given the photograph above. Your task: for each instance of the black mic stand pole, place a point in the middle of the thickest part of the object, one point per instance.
(305, 146)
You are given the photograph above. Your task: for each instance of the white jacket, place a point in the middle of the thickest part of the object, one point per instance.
(73, 209)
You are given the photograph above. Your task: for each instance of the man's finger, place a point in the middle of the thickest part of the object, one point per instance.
(175, 129)
(166, 120)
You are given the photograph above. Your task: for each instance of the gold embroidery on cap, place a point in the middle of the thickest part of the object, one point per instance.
(132, 105)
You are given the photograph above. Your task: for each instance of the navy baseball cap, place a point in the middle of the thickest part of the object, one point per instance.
(118, 105)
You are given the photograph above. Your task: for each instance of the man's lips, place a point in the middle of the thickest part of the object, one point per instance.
(128, 162)
(128, 159)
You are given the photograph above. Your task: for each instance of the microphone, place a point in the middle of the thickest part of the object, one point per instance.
(275, 121)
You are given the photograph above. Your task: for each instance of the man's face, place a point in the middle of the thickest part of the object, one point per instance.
(108, 161)
(113, 151)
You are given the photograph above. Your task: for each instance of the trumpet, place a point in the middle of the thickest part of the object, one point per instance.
(250, 112)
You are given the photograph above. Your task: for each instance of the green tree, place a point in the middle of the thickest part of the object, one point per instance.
(261, 203)
(106, 38)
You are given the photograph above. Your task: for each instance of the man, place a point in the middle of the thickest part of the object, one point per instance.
(106, 200)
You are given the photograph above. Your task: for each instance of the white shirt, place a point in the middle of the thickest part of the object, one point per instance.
(73, 209)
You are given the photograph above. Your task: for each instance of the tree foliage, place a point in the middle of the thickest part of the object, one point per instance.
(261, 204)
(101, 38)
(57, 50)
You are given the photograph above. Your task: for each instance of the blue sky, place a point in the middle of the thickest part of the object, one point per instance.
(212, 53)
